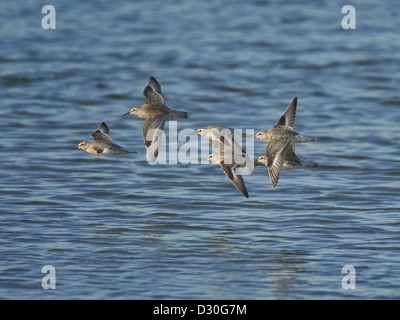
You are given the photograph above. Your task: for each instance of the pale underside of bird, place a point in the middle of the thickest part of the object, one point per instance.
(228, 153)
(103, 144)
(280, 152)
(221, 138)
(284, 129)
(231, 169)
(155, 113)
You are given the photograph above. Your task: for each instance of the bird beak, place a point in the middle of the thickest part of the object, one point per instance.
(125, 114)
(74, 148)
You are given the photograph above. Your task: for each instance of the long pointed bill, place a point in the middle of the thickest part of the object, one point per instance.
(74, 148)
(125, 114)
(257, 164)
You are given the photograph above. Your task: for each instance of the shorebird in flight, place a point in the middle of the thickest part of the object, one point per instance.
(155, 112)
(103, 144)
(280, 152)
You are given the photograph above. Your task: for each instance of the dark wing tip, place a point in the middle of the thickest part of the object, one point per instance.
(239, 184)
(102, 133)
(288, 117)
(104, 128)
(147, 89)
(274, 179)
(152, 93)
(155, 84)
(227, 170)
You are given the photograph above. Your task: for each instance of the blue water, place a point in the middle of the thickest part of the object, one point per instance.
(120, 228)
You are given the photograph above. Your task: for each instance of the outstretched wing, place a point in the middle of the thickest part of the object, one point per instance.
(236, 179)
(276, 155)
(239, 184)
(102, 133)
(152, 93)
(152, 134)
(288, 117)
(291, 154)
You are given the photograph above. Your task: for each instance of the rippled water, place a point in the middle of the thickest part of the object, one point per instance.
(119, 228)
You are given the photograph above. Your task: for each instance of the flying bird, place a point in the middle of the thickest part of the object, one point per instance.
(229, 154)
(103, 144)
(284, 129)
(155, 112)
(280, 152)
(280, 157)
(231, 169)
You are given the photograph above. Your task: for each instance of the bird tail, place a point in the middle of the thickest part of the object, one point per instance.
(301, 138)
(310, 164)
(128, 151)
(182, 114)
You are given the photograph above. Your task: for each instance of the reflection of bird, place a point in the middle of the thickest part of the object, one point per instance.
(284, 129)
(280, 152)
(282, 156)
(103, 144)
(231, 169)
(155, 112)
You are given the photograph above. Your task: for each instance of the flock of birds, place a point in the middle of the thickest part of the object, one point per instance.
(280, 153)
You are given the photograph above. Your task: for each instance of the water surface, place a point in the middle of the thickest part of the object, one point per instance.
(119, 228)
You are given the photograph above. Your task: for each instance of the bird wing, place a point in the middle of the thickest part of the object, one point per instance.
(276, 154)
(291, 154)
(228, 170)
(152, 93)
(102, 133)
(98, 149)
(110, 150)
(239, 184)
(152, 134)
(288, 117)
(235, 178)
